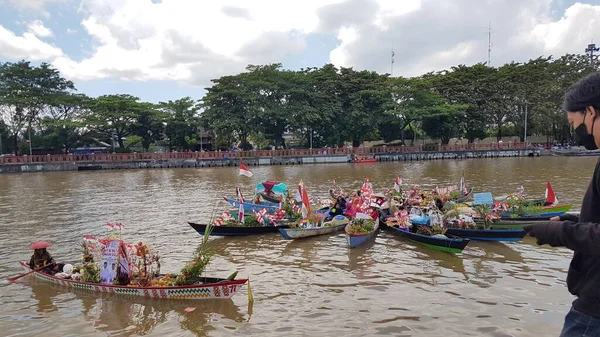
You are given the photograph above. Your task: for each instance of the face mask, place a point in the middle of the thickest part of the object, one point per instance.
(582, 137)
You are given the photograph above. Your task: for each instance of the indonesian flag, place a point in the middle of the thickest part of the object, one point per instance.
(241, 217)
(89, 237)
(244, 171)
(238, 191)
(397, 184)
(299, 192)
(110, 225)
(550, 196)
(305, 203)
(119, 225)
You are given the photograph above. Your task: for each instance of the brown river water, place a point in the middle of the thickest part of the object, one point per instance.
(311, 287)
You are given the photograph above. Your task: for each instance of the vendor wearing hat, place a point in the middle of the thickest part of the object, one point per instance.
(42, 259)
(379, 198)
(384, 211)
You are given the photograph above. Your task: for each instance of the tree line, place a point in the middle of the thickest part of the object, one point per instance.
(326, 106)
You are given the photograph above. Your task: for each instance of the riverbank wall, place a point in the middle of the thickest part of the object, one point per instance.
(129, 161)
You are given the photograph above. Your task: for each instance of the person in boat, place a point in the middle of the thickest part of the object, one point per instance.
(439, 203)
(338, 209)
(384, 211)
(350, 212)
(379, 198)
(41, 258)
(580, 233)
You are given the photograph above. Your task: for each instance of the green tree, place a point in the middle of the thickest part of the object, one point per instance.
(115, 116)
(182, 121)
(25, 91)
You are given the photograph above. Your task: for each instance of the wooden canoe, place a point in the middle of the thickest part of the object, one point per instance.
(212, 288)
(292, 233)
(511, 235)
(355, 240)
(236, 230)
(450, 243)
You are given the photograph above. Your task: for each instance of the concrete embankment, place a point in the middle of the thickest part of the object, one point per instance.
(86, 165)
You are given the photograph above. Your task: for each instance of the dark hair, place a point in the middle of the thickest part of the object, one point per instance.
(584, 93)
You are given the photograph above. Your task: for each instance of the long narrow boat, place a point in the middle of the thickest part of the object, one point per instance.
(355, 239)
(545, 212)
(224, 230)
(512, 223)
(212, 288)
(449, 243)
(292, 233)
(364, 160)
(511, 235)
(251, 207)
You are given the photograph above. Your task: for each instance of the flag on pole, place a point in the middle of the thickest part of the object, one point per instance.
(397, 184)
(244, 171)
(241, 217)
(305, 203)
(299, 192)
(238, 191)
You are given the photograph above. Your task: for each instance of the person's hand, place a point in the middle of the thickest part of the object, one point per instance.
(546, 232)
(555, 218)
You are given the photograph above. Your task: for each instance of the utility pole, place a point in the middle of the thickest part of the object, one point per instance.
(392, 66)
(525, 138)
(591, 48)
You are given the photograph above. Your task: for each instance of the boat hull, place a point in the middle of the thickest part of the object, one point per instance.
(300, 233)
(235, 230)
(546, 212)
(510, 235)
(216, 289)
(355, 240)
(451, 244)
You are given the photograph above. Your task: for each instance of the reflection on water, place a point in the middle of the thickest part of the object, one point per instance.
(316, 286)
(120, 315)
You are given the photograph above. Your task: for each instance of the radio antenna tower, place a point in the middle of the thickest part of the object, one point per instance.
(591, 48)
(489, 45)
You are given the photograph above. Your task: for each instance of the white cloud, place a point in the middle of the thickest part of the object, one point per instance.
(28, 46)
(433, 35)
(33, 4)
(189, 40)
(71, 31)
(37, 28)
(194, 41)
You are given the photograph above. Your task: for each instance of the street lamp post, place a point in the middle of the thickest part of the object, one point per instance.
(525, 138)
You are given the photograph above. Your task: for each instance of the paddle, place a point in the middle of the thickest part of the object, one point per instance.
(12, 279)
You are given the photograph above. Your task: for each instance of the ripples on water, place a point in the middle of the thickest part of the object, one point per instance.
(310, 287)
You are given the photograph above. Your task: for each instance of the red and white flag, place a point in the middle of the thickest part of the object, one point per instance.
(241, 217)
(89, 237)
(305, 203)
(397, 184)
(238, 191)
(110, 225)
(244, 171)
(119, 225)
(299, 192)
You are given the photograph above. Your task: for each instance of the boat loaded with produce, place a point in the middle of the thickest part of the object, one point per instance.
(111, 265)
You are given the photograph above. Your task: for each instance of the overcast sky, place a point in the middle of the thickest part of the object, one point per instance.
(161, 50)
